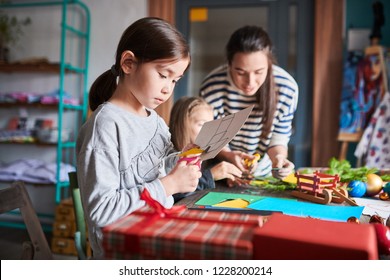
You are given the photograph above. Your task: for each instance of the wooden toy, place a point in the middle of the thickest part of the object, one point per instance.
(321, 188)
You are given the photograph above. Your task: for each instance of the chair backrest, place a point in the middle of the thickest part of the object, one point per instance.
(16, 197)
(81, 227)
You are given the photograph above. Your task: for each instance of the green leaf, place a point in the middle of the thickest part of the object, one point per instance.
(271, 183)
(346, 173)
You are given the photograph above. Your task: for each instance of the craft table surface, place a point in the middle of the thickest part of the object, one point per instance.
(190, 200)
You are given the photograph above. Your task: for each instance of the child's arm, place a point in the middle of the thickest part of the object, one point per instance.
(105, 197)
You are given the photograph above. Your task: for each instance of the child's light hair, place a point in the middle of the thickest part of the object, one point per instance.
(179, 119)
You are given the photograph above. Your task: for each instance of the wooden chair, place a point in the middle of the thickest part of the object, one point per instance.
(80, 236)
(345, 139)
(16, 197)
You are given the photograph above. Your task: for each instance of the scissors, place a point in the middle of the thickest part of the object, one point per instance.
(191, 155)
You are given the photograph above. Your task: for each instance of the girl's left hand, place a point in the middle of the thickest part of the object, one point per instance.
(239, 158)
(225, 170)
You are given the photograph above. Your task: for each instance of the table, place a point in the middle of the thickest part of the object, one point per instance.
(192, 234)
(190, 200)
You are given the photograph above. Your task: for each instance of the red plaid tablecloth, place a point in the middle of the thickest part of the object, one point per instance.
(188, 234)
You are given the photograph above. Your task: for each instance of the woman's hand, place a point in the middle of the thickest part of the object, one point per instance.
(238, 159)
(281, 167)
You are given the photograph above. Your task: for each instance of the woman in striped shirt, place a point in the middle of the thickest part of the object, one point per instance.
(251, 78)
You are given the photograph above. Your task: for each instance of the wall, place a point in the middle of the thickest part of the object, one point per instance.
(359, 14)
(41, 39)
(108, 20)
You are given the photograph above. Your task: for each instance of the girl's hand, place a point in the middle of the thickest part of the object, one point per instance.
(225, 170)
(252, 162)
(239, 158)
(183, 178)
(281, 167)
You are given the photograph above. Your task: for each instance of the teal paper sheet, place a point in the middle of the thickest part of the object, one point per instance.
(307, 209)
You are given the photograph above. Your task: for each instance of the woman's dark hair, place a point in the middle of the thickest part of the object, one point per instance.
(249, 39)
(150, 39)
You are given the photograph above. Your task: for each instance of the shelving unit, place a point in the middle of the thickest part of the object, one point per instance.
(70, 36)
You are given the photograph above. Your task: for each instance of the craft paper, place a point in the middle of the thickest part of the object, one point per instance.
(233, 203)
(213, 198)
(306, 209)
(374, 206)
(291, 179)
(216, 134)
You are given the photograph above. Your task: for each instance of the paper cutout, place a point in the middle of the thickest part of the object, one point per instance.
(216, 134)
(306, 209)
(233, 203)
(374, 206)
(292, 179)
(213, 198)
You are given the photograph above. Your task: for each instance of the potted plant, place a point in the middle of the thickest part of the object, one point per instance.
(10, 32)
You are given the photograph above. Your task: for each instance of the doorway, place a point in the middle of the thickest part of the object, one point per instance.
(207, 25)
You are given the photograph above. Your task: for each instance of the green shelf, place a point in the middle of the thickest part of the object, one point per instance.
(65, 151)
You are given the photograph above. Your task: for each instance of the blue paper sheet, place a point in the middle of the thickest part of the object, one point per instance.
(307, 209)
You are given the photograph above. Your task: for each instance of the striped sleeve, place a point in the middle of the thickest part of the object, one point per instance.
(287, 104)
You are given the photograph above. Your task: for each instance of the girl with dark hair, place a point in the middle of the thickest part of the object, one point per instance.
(251, 77)
(122, 146)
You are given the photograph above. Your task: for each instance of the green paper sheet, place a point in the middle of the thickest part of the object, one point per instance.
(212, 198)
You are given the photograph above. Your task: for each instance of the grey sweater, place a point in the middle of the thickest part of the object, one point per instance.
(119, 154)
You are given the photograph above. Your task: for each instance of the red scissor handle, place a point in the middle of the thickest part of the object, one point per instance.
(189, 159)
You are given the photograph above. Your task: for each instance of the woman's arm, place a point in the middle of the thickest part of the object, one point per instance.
(281, 166)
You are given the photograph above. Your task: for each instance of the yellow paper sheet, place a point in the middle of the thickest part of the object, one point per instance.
(234, 203)
(290, 179)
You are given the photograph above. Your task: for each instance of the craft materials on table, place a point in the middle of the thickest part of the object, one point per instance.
(214, 198)
(307, 209)
(154, 232)
(374, 206)
(284, 205)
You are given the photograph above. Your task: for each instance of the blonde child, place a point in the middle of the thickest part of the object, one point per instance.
(187, 118)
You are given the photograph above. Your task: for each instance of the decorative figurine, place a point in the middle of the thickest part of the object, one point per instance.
(321, 188)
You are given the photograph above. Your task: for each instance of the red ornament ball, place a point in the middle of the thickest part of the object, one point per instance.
(383, 238)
